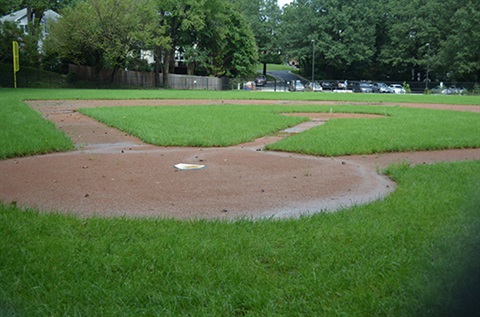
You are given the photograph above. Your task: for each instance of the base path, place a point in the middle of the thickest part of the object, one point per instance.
(114, 174)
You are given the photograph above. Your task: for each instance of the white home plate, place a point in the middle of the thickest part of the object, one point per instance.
(187, 167)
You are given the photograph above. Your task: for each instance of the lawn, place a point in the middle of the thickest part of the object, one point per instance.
(56, 94)
(24, 132)
(402, 129)
(415, 253)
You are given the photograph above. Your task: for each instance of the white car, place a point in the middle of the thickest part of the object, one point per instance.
(296, 85)
(398, 89)
(313, 87)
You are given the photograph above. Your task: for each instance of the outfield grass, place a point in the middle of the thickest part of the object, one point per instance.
(414, 254)
(58, 94)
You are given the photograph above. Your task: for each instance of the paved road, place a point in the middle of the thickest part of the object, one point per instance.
(283, 76)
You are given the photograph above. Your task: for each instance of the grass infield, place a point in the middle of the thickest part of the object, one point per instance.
(402, 129)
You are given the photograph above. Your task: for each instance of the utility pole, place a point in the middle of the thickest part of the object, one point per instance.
(313, 62)
(428, 65)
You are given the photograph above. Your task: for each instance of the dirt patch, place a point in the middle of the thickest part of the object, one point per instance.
(114, 174)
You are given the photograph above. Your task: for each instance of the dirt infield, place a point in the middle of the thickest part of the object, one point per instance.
(114, 174)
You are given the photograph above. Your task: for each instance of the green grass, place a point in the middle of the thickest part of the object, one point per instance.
(403, 129)
(56, 94)
(416, 253)
(275, 67)
(195, 125)
(24, 132)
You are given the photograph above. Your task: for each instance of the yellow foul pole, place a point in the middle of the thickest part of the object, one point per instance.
(16, 63)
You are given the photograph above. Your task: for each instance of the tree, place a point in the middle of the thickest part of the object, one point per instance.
(7, 6)
(264, 17)
(206, 32)
(28, 47)
(225, 46)
(9, 32)
(344, 35)
(459, 55)
(176, 19)
(98, 33)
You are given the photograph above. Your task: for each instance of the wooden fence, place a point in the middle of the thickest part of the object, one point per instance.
(147, 79)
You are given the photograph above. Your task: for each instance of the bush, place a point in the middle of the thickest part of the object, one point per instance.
(72, 77)
(475, 91)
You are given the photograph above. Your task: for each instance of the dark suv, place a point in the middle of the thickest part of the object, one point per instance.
(260, 81)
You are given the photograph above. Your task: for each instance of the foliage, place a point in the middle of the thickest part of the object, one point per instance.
(385, 39)
(343, 33)
(215, 39)
(459, 56)
(264, 17)
(9, 32)
(28, 44)
(97, 33)
(7, 6)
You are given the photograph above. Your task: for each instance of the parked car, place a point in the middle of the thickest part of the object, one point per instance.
(398, 89)
(362, 87)
(296, 85)
(382, 88)
(314, 87)
(454, 90)
(249, 85)
(438, 90)
(328, 85)
(260, 81)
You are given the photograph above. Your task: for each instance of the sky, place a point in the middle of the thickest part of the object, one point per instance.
(281, 3)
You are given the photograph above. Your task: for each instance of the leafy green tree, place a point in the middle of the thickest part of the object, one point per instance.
(7, 6)
(98, 33)
(459, 55)
(9, 32)
(28, 47)
(236, 51)
(175, 18)
(264, 17)
(225, 46)
(344, 35)
(214, 38)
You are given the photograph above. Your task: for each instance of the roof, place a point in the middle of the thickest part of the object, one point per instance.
(17, 16)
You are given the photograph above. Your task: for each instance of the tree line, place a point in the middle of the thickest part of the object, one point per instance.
(354, 39)
(385, 39)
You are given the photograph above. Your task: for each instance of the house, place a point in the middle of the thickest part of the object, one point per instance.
(20, 17)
